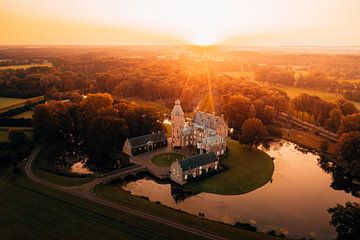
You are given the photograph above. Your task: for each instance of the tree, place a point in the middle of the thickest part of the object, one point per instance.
(236, 110)
(334, 120)
(253, 132)
(105, 133)
(346, 220)
(350, 123)
(346, 107)
(17, 137)
(349, 147)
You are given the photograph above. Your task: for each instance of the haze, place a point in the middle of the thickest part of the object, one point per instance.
(258, 22)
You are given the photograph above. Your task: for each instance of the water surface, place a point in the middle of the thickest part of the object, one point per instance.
(294, 202)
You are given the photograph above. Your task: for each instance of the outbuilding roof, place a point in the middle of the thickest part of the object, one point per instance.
(197, 160)
(143, 140)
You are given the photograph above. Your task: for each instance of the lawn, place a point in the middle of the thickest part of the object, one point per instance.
(26, 66)
(152, 104)
(249, 169)
(331, 97)
(166, 159)
(53, 177)
(4, 133)
(7, 102)
(27, 114)
(31, 211)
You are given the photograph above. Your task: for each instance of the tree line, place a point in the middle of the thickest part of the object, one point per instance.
(97, 126)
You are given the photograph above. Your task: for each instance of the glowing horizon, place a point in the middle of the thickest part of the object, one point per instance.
(264, 22)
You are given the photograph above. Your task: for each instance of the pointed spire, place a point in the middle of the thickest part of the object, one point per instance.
(177, 110)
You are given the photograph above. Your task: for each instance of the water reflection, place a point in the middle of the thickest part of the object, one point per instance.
(295, 202)
(342, 180)
(80, 168)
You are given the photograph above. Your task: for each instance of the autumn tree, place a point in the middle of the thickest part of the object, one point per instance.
(346, 220)
(350, 123)
(349, 147)
(253, 132)
(236, 110)
(334, 120)
(346, 107)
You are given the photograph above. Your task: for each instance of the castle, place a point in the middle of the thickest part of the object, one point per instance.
(205, 133)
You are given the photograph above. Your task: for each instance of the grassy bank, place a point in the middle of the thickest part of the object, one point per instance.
(306, 140)
(115, 194)
(249, 169)
(31, 211)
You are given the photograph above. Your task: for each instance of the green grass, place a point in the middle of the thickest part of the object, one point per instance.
(26, 66)
(27, 114)
(6, 102)
(249, 169)
(32, 211)
(53, 177)
(152, 104)
(4, 134)
(331, 97)
(166, 159)
(115, 194)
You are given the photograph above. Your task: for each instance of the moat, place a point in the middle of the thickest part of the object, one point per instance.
(294, 201)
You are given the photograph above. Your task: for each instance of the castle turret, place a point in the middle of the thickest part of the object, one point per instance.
(177, 122)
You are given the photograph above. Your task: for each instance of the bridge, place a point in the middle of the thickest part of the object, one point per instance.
(122, 173)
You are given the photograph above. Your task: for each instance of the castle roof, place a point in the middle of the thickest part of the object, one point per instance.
(177, 110)
(197, 161)
(207, 120)
(143, 140)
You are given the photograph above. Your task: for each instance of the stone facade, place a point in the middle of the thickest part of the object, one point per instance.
(192, 167)
(205, 133)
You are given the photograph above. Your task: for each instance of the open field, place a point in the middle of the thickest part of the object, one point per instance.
(331, 97)
(31, 211)
(26, 66)
(9, 103)
(306, 139)
(27, 114)
(153, 104)
(6, 102)
(166, 159)
(249, 169)
(4, 133)
(241, 74)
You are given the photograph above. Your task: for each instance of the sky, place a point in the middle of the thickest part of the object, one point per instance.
(200, 22)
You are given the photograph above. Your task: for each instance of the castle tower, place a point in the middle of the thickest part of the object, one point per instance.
(177, 122)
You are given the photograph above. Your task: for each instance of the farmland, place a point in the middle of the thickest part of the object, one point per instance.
(331, 97)
(9, 103)
(26, 66)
